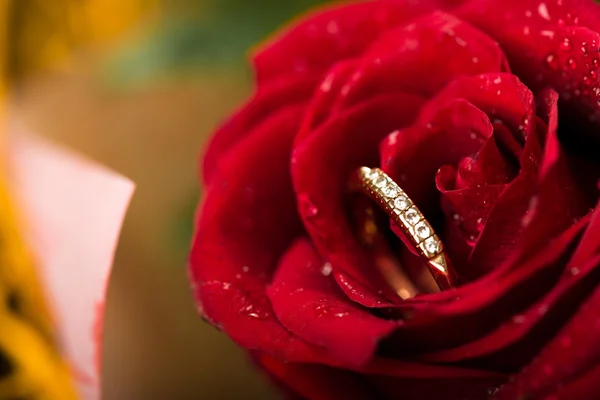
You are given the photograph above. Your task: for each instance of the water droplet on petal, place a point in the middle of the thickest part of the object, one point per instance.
(519, 319)
(326, 270)
(333, 27)
(586, 80)
(566, 44)
(551, 61)
(571, 63)
(574, 271)
(543, 11)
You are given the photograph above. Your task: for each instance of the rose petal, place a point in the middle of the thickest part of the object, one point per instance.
(572, 352)
(330, 35)
(558, 194)
(583, 387)
(408, 58)
(515, 342)
(319, 109)
(413, 156)
(268, 99)
(547, 43)
(317, 382)
(321, 174)
(308, 302)
(246, 222)
(453, 318)
(415, 381)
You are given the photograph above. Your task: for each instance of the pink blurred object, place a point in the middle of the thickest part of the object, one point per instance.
(73, 210)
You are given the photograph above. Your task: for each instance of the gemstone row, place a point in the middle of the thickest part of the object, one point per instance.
(408, 216)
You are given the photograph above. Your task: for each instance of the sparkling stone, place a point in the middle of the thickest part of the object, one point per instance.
(412, 216)
(422, 230)
(432, 245)
(380, 181)
(401, 202)
(373, 174)
(389, 191)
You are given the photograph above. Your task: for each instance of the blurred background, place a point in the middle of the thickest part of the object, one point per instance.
(138, 85)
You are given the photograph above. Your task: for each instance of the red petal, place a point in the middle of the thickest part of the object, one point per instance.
(584, 387)
(308, 302)
(330, 35)
(515, 342)
(247, 220)
(413, 156)
(543, 43)
(268, 99)
(383, 379)
(321, 174)
(317, 382)
(558, 195)
(454, 318)
(408, 58)
(415, 381)
(574, 351)
(319, 109)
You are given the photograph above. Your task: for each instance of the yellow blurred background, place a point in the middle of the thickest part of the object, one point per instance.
(138, 85)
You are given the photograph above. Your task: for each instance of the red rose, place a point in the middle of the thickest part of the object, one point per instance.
(486, 113)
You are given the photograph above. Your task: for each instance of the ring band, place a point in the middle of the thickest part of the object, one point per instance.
(390, 197)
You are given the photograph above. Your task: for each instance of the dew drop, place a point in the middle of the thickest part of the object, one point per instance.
(472, 240)
(586, 80)
(326, 270)
(593, 74)
(571, 63)
(309, 210)
(595, 62)
(551, 61)
(519, 319)
(333, 27)
(543, 11)
(584, 48)
(574, 271)
(566, 44)
(245, 268)
(327, 83)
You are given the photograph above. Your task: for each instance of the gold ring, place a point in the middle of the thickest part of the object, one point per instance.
(376, 184)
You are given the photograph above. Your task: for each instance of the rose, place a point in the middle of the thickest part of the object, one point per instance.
(460, 102)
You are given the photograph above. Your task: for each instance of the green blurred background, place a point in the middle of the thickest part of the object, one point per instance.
(144, 104)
